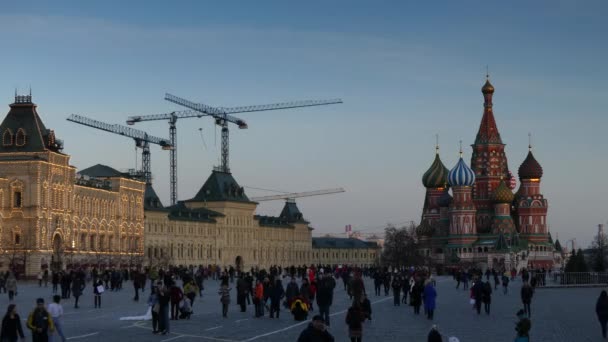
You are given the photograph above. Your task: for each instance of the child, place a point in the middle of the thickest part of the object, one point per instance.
(299, 310)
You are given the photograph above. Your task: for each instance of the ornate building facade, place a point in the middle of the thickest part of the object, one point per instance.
(483, 222)
(51, 216)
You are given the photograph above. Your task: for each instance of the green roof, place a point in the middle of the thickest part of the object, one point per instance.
(291, 213)
(220, 187)
(183, 213)
(273, 221)
(347, 243)
(100, 171)
(151, 199)
(23, 117)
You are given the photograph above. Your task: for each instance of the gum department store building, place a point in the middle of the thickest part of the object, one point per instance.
(53, 216)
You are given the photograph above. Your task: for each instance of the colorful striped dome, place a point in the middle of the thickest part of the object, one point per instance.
(436, 175)
(502, 193)
(530, 168)
(461, 175)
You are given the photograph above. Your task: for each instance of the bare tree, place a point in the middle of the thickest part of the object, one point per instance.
(16, 250)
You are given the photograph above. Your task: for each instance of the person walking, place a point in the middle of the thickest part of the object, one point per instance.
(154, 305)
(11, 326)
(396, 285)
(45, 277)
(505, 283)
(526, 297)
(486, 296)
(56, 311)
(601, 309)
(258, 298)
(224, 293)
(316, 331)
(176, 297)
(242, 287)
(430, 296)
(11, 286)
(416, 296)
(377, 282)
(477, 294)
(354, 320)
(77, 287)
(40, 322)
(164, 300)
(137, 283)
(324, 298)
(522, 327)
(97, 291)
(55, 281)
(276, 293)
(434, 335)
(405, 289)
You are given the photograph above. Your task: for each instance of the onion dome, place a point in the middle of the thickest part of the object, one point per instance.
(487, 88)
(425, 229)
(436, 175)
(502, 194)
(445, 199)
(461, 174)
(530, 168)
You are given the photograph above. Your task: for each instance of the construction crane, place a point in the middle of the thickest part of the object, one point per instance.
(290, 197)
(172, 117)
(222, 118)
(142, 139)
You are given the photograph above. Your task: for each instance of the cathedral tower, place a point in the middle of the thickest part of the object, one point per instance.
(488, 161)
(531, 206)
(435, 182)
(462, 209)
(502, 198)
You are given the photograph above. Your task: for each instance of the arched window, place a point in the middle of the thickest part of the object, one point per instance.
(7, 137)
(20, 137)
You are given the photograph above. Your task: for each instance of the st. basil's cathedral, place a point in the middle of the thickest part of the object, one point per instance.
(483, 223)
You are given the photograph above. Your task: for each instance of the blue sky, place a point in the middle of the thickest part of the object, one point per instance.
(405, 70)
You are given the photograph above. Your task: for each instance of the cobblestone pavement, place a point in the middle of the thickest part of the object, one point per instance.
(557, 315)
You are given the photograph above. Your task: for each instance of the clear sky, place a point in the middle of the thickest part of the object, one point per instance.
(405, 70)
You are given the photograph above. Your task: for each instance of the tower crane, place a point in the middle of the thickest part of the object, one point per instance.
(222, 118)
(142, 139)
(290, 197)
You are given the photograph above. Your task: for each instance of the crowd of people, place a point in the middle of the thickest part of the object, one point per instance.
(308, 289)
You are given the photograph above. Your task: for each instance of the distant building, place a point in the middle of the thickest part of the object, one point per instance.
(483, 222)
(344, 251)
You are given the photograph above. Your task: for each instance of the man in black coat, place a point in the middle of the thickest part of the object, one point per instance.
(477, 290)
(242, 287)
(316, 332)
(324, 297)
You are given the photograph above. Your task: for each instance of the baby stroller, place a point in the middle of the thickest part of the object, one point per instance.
(185, 309)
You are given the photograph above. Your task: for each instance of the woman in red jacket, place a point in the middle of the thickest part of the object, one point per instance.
(258, 298)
